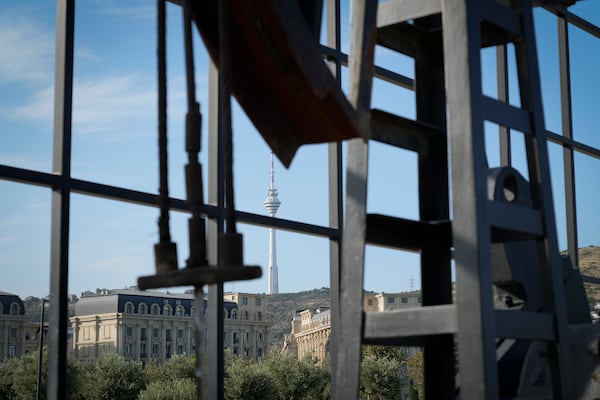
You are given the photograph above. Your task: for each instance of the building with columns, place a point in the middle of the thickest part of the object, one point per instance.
(311, 327)
(144, 326)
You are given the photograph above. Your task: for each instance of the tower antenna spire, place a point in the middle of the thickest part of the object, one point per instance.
(272, 204)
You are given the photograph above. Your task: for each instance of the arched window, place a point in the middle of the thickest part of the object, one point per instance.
(234, 314)
(245, 315)
(179, 311)
(128, 308)
(259, 316)
(142, 308)
(155, 309)
(14, 309)
(167, 310)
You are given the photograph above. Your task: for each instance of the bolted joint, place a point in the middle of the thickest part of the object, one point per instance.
(197, 231)
(165, 257)
(193, 124)
(231, 250)
(193, 184)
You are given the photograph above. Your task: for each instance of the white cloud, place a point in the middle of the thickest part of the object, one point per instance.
(27, 50)
(115, 106)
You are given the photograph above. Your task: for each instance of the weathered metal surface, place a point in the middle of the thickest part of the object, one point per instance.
(278, 75)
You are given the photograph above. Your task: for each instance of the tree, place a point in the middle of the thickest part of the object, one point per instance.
(380, 378)
(298, 379)
(7, 369)
(177, 367)
(414, 365)
(24, 380)
(177, 389)
(245, 380)
(113, 378)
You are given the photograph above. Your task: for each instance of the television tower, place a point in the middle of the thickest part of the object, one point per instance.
(272, 204)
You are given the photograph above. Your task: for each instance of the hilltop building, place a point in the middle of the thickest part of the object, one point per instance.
(144, 326)
(311, 327)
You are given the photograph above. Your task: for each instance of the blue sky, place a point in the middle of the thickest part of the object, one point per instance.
(114, 142)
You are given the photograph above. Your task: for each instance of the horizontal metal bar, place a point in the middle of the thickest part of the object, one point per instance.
(514, 222)
(403, 132)
(379, 72)
(398, 11)
(590, 279)
(399, 233)
(501, 16)
(505, 114)
(577, 146)
(575, 19)
(421, 321)
(149, 199)
(524, 325)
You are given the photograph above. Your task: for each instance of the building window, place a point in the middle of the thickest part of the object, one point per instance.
(391, 300)
(179, 311)
(155, 332)
(129, 308)
(246, 337)
(128, 348)
(180, 333)
(259, 352)
(370, 302)
(257, 301)
(234, 314)
(154, 350)
(180, 349)
(245, 315)
(12, 351)
(142, 309)
(167, 310)
(143, 334)
(14, 309)
(168, 335)
(244, 300)
(129, 331)
(236, 338)
(259, 316)
(155, 309)
(143, 350)
(247, 351)
(168, 351)
(260, 336)
(405, 300)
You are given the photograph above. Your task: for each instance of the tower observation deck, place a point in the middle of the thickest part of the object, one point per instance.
(272, 204)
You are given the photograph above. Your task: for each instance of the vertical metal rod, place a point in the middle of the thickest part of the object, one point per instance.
(38, 390)
(59, 240)
(503, 95)
(335, 193)
(567, 131)
(163, 222)
(470, 229)
(216, 197)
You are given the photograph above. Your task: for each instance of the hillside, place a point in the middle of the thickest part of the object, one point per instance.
(589, 264)
(281, 308)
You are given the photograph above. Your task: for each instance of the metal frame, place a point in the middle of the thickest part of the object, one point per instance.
(62, 185)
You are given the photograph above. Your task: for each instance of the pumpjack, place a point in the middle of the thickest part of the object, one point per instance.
(494, 224)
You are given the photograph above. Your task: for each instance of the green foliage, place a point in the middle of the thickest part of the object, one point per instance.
(245, 380)
(413, 393)
(414, 366)
(298, 379)
(380, 351)
(176, 389)
(7, 369)
(177, 367)
(24, 377)
(113, 378)
(380, 377)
